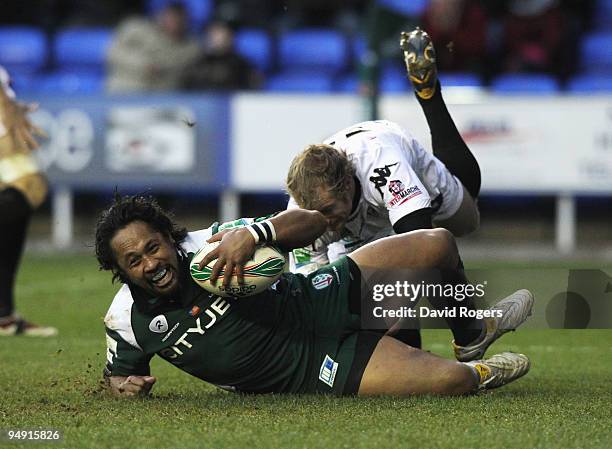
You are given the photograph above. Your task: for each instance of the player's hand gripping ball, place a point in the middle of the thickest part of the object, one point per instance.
(260, 272)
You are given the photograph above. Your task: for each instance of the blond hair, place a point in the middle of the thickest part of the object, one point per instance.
(318, 166)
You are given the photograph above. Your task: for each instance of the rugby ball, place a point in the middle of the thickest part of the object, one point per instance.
(260, 272)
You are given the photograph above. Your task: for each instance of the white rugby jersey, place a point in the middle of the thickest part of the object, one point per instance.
(397, 176)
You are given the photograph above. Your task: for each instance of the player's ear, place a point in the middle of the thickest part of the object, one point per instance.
(119, 275)
(174, 243)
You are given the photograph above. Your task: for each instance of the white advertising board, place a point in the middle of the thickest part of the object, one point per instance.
(523, 144)
(528, 144)
(267, 131)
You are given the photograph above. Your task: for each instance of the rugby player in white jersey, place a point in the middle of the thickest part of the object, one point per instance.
(22, 189)
(374, 179)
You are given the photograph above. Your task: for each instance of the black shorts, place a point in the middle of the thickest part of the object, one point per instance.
(366, 340)
(364, 348)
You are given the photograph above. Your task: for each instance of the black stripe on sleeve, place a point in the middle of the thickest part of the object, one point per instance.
(266, 227)
(260, 233)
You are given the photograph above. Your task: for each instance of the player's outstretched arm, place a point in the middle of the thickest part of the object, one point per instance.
(290, 229)
(296, 228)
(131, 385)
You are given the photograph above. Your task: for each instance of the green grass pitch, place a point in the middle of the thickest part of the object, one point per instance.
(565, 401)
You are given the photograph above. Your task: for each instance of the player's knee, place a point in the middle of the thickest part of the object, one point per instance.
(441, 248)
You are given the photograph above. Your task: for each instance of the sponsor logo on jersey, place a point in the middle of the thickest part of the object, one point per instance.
(400, 193)
(396, 187)
(205, 321)
(159, 324)
(321, 281)
(327, 373)
(380, 180)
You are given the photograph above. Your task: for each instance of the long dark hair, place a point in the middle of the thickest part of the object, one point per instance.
(125, 210)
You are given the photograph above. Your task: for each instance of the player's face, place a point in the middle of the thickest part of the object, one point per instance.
(147, 257)
(336, 208)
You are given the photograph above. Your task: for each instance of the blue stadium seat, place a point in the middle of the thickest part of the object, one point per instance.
(66, 82)
(22, 49)
(312, 48)
(303, 81)
(393, 79)
(525, 83)
(602, 17)
(459, 79)
(347, 84)
(359, 47)
(256, 46)
(200, 11)
(396, 81)
(82, 48)
(596, 53)
(23, 83)
(585, 84)
(413, 8)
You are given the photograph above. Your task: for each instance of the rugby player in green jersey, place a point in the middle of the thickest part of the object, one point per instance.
(304, 334)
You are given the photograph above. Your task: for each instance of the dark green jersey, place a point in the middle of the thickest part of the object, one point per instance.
(287, 339)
